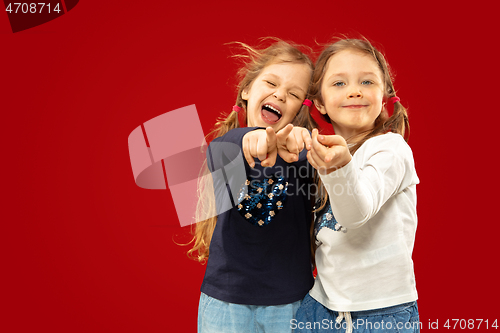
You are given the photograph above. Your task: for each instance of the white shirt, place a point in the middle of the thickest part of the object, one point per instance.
(374, 198)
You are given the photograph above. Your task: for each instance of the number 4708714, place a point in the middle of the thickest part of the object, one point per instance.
(33, 8)
(469, 324)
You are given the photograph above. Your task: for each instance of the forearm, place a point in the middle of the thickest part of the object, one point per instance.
(359, 189)
(353, 201)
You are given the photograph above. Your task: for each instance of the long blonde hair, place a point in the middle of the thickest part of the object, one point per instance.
(255, 59)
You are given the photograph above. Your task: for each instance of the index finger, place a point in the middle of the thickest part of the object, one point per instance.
(331, 140)
(246, 152)
(283, 134)
(306, 136)
(271, 139)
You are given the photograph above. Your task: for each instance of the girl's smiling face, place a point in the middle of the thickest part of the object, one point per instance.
(352, 91)
(276, 94)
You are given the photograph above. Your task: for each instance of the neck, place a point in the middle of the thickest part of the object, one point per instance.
(351, 136)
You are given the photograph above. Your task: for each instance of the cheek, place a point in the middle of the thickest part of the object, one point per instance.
(252, 116)
(335, 100)
(377, 99)
(291, 115)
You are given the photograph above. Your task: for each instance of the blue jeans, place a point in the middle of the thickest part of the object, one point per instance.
(313, 317)
(215, 316)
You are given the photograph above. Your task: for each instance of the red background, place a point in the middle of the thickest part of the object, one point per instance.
(86, 250)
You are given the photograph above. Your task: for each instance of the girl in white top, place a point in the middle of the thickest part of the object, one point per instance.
(366, 230)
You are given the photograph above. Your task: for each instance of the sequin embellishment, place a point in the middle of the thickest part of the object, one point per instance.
(263, 200)
(326, 219)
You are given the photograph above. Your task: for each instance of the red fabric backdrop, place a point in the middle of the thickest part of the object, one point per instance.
(86, 250)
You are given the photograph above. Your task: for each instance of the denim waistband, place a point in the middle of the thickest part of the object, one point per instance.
(382, 311)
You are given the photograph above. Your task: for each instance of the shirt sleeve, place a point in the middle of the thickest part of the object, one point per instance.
(358, 190)
(227, 147)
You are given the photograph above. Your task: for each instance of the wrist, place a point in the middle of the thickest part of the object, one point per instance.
(336, 167)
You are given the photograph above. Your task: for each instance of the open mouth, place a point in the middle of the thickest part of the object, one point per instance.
(270, 114)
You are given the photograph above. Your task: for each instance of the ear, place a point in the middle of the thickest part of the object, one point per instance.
(319, 106)
(244, 95)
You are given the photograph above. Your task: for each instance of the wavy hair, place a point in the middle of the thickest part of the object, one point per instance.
(255, 60)
(397, 123)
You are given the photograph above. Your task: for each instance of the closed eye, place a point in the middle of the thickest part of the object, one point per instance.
(271, 83)
(295, 95)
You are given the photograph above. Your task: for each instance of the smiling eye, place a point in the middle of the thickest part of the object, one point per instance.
(271, 83)
(295, 95)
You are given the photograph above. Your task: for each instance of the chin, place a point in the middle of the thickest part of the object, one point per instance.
(277, 125)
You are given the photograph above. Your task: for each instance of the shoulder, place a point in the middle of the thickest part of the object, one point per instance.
(390, 154)
(235, 135)
(388, 138)
(226, 149)
(389, 150)
(390, 142)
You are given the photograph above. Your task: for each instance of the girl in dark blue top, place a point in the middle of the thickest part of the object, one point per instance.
(258, 246)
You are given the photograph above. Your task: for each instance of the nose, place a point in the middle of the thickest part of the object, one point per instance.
(280, 95)
(354, 92)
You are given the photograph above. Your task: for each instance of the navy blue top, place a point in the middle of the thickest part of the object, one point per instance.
(260, 248)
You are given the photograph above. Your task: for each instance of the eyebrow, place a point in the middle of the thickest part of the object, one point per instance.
(344, 74)
(293, 86)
